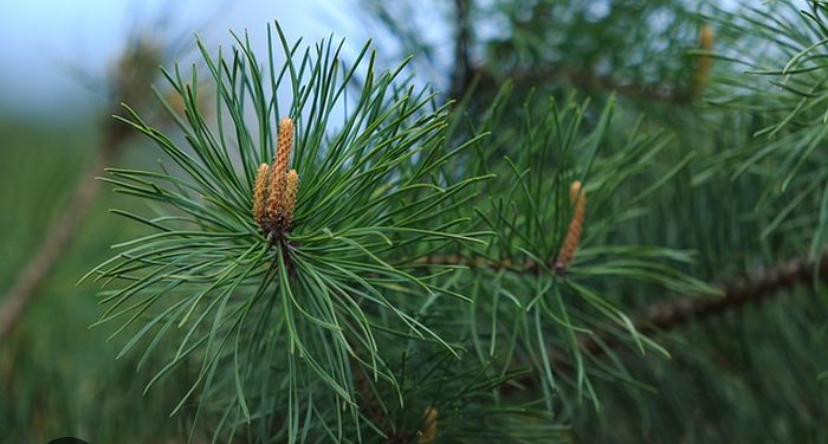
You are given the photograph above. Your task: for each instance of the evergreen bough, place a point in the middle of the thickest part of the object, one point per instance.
(459, 271)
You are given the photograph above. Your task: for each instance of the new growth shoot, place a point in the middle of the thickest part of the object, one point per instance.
(573, 234)
(274, 196)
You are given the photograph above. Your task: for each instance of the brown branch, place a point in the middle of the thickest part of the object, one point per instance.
(751, 288)
(134, 72)
(461, 74)
(59, 234)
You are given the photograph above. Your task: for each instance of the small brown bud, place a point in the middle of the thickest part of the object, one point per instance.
(260, 194)
(706, 37)
(429, 432)
(285, 141)
(291, 189)
(573, 234)
(280, 165)
(705, 66)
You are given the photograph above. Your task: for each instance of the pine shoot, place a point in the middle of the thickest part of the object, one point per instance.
(260, 194)
(573, 234)
(291, 189)
(705, 66)
(429, 432)
(280, 165)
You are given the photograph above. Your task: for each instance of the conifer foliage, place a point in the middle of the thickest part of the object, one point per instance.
(336, 253)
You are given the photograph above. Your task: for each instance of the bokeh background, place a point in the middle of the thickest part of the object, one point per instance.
(54, 53)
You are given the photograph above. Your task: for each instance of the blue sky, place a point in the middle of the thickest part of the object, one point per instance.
(44, 43)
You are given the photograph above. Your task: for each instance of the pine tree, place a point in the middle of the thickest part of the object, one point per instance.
(566, 240)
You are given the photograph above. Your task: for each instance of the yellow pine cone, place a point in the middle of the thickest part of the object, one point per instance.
(285, 141)
(573, 234)
(277, 176)
(706, 37)
(705, 65)
(291, 189)
(429, 432)
(260, 194)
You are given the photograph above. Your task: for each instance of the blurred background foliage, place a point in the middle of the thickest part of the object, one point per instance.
(59, 377)
(738, 197)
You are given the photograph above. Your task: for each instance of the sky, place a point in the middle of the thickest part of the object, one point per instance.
(52, 50)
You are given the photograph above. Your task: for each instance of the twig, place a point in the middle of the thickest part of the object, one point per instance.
(750, 288)
(60, 234)
(461, 73)
(133, 74)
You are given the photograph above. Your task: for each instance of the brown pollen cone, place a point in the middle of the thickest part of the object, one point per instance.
(705, 66)
(291, 190)
(260, 194)
(280, 165)
(573, 234)
(429, 432)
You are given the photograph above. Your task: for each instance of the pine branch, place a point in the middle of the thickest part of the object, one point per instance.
(337, 271)
(753, 287)
(737, 293)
